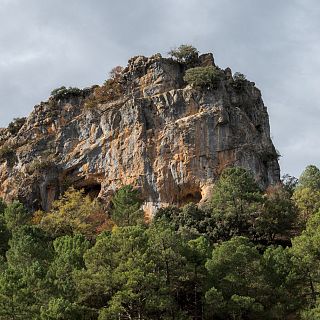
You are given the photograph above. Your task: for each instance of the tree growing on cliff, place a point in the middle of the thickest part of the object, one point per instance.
(185, 53)
(208, 77)
(239, 81)
(112, 89)
(63, 92)
(15, 125)
(115, 73)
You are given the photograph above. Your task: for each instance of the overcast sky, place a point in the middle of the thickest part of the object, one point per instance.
(276, 44)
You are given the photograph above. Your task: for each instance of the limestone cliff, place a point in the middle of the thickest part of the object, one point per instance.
(170, 139)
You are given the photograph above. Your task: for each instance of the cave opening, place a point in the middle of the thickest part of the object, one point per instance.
(91, 189)
(193, 197)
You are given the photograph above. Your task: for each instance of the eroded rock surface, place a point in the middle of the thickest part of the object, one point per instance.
(166, 137)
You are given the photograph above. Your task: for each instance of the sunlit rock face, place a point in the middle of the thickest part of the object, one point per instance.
(169, 139)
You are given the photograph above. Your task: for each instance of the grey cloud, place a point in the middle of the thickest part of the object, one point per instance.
(45, 44)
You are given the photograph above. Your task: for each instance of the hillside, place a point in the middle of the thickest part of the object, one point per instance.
(146, 126)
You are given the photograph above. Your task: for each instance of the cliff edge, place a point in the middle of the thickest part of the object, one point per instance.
(147, 127)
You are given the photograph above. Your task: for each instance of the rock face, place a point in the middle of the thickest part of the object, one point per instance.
(170, 139)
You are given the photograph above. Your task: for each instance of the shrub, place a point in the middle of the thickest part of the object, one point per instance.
(203, 76)
(185, 53)
(39, 165)
(239, 77)
(64, 92)
(112, 89)
(115, 73)
(74, 213)
(240, 81)
(91, 103)
(7, 153)
(109, 91)
(16, 125)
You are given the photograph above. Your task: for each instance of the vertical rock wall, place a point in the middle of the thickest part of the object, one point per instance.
(166, 137)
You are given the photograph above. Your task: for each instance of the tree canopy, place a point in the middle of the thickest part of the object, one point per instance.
(185, 53)
(243, 256)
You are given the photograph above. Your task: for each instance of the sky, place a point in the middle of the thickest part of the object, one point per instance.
(276, 44)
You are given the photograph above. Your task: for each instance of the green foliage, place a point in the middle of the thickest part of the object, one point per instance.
(306, 194)
(235, 203)
(15, 125)
(192, 221)
(122, 275)
(22, 280)
(204, 77)
(16, 215)
(240, 208)
(310, 178)
(61, 309)
(68, 257)
(28, 244)
(126, 207)
(63, 92)
(140, 273)
(306, 250)
(3, 206)
(185, 53)
(4, 232)
(237, 278)
(73, 213)
(188, 263)
(239, 81)
(289, 183)
(278, 214)
(170, 214)
(39, 165)
(307, 201)
(16, 300)
(8, 153)
(249, 285)
(189, 221)
(285, 280)
(239, 77)
(312, 313)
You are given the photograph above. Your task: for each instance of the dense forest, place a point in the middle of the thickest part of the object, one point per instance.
(247, 254)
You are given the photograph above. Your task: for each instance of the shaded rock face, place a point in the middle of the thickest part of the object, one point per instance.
(166, 137)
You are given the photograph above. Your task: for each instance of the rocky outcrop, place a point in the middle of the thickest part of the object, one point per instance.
(166, 137)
